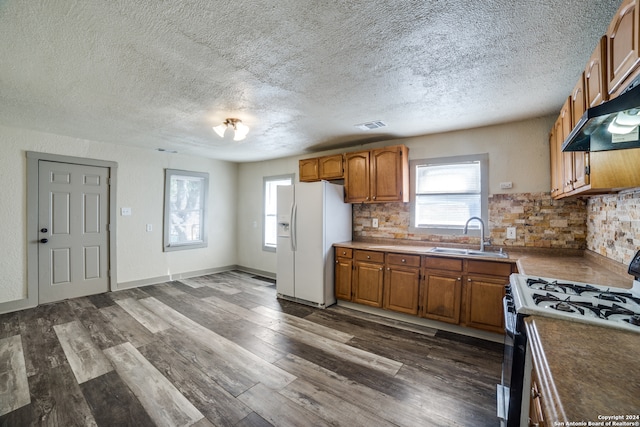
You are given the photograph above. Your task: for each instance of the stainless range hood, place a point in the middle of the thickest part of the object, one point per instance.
(613, 125)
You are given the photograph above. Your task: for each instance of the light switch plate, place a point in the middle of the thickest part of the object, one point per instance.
(374, 222)
(511, 232)
(125, 211)
(149, 227)
(506, 185)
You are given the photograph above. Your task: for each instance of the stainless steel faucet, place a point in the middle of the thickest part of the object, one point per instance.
(481, 230)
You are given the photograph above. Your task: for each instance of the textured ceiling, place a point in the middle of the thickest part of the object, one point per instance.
(299, 73)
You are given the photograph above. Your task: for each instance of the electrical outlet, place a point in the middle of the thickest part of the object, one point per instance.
(511, 232)
(149, 227)
(374, 222)
(506, 185)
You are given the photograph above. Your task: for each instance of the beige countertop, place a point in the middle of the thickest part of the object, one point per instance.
(585, 371)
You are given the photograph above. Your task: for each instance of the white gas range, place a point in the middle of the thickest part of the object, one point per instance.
(582, 302)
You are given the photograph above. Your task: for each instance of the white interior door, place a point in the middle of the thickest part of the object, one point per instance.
(73, 230)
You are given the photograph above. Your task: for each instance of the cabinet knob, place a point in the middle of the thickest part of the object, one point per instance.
(368, 257)
(459, 279)
(468, 280)
(336, 261)
(534, 393)
(388, 269)
(344, 252)
(404, 260)
(380, 268)
(374, 197)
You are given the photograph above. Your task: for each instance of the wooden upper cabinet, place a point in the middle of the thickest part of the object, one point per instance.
(390, 174)
(622, 46)
(330, 167)
(595, 76)
(356, 177)
(308, 170)
(567, 158)
(556, 172)
(578, 101)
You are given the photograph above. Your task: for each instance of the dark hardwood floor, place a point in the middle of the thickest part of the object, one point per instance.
(223, 350)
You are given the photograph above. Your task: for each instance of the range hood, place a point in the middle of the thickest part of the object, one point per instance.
(613, 125)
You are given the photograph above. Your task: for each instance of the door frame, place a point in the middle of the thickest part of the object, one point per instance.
(33, 160)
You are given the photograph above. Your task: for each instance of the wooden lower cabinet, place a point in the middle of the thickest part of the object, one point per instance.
(343, 270)
(536, 414)
(368, 278)
(442, 296)
(367, 283)
(460, 291)
(402, 287)
(484, 302)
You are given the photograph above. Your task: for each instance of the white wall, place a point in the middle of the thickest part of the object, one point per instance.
(140, 186)
(518, 152)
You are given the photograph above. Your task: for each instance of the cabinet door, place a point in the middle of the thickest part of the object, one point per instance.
(554, 155)
(484, 303)
(367, 283)
(442, 296)
(567, 158)
(308, 170)
(595, 76)
(343, 270)
(389, 169)
(330, 167)
(622, 45)
(356, 177)
(580, 159)
(401, 288)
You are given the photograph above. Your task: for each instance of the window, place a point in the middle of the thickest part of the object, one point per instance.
(446, 192)
(185, 209)
(270, 221)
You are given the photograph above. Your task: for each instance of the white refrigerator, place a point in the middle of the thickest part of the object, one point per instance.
(311, 218)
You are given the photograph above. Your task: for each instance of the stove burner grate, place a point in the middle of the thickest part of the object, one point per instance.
(555, 286)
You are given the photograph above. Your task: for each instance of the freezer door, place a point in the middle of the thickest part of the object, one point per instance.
(285, 256)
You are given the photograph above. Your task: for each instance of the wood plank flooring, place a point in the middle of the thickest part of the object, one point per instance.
(222, 350)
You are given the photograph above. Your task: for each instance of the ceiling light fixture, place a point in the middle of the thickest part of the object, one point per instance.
(240, 130)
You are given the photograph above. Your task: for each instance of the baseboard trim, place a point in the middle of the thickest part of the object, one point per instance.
(168, 278)
(16, 305)
(25, 303)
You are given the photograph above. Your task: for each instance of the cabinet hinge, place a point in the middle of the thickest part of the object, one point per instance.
(587, 170)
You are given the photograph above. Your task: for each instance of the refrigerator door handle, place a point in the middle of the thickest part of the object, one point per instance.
(294, 211)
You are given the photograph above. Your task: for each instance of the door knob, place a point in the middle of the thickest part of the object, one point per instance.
(44, 240)
(43, 230)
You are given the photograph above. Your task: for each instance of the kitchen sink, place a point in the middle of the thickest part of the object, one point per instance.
(469, 252)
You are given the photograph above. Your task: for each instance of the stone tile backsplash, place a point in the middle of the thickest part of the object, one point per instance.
(606, 224)
(540, 222)
(613, 225)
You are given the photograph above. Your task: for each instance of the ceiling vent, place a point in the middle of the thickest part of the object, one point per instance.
(371, 125)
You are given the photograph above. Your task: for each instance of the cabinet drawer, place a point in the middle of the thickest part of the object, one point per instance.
(404, 259)
(371, 256)
(344, 252)
(489, 267)
(441, 263)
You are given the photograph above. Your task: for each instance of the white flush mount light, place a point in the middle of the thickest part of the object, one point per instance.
(240, 130)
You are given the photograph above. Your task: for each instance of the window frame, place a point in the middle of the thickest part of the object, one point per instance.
(474, 228)
(265, 180)
(203, 243)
